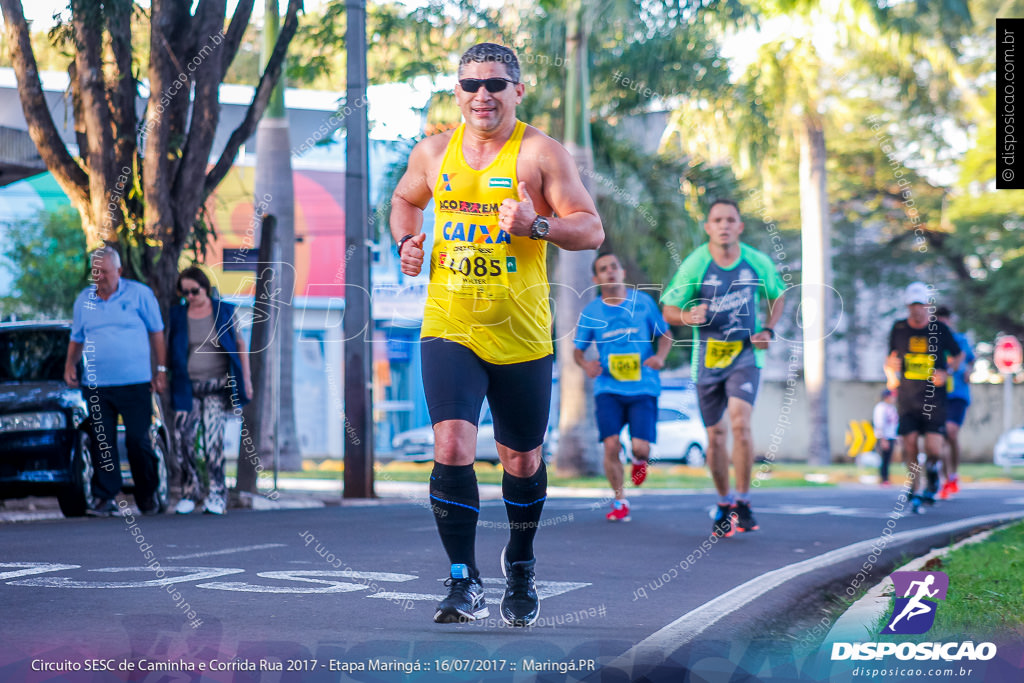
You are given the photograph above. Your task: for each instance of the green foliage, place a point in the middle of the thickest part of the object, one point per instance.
(402, 42)
(652, 205)
(48, 257)
(643, 56)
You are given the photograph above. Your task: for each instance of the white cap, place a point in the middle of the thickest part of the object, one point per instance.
(918, 293)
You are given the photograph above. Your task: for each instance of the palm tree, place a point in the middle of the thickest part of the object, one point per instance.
(670, 49)
(782, 100)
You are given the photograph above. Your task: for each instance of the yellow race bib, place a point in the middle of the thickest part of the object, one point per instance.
(720, 354)
(474, 271)
(624, 367)
(918, 366)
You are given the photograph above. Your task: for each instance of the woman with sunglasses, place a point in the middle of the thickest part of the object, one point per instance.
(209, 377)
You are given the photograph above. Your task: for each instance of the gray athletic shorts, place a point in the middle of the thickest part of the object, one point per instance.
(714, 398)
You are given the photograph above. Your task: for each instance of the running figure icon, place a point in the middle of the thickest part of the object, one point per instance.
(914, 606)
(916, 597)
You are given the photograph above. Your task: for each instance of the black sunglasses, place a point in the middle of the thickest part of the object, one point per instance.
(492, 84)
(191, 292)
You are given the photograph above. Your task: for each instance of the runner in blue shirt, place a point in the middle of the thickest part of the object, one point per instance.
(958, 397)
(623, 323)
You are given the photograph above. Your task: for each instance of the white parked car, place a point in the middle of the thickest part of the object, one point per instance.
(681, 434)
(417, 445)
(1009, 449)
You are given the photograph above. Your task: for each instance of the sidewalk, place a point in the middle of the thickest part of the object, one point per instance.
(307, 492)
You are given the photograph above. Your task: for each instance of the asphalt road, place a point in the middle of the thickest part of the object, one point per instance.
(347, 593)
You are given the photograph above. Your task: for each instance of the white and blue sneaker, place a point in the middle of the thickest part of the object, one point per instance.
(465, 601)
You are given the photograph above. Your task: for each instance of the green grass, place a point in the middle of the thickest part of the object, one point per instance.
(777, 475)
(659, 476)
(985, 600)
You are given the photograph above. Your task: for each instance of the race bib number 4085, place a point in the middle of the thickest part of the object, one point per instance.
(475, 271)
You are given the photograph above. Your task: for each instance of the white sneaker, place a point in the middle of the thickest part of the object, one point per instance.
(185, 506)
(214, 505)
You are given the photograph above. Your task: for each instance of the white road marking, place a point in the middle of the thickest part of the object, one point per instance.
(545, 589)
(320, 577)
(192, 574)
(33, 568)
(657, 646)
(243, 549)
(832, 510)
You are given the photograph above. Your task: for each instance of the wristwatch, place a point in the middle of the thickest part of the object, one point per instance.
(769, 331)
(540, 228)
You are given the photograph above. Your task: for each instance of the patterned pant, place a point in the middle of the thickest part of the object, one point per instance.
(201, 431)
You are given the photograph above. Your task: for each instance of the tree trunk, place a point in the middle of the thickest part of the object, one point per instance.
(274, 188)
(816, 279)
(578, 454)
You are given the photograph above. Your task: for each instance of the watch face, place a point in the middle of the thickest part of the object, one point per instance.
(540, 228)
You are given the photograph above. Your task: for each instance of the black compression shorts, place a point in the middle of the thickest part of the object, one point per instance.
(455, 381)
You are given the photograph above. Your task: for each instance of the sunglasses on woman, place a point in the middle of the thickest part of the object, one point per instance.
(194, 291)
(492, 84)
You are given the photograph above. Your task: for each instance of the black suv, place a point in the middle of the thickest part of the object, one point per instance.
(44, 435)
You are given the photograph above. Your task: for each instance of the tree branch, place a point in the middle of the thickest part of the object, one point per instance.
(165, 110)
(205, 66)
(259, 102)
(87, 20)
(41, 128)
(236, 31)
(124, 92)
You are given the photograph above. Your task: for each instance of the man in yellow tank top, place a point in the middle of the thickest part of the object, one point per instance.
(502, 190)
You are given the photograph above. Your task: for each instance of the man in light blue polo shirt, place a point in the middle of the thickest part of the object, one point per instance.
(116, 324)
(623, 324)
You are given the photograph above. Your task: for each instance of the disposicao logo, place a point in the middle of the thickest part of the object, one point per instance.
(915, 603)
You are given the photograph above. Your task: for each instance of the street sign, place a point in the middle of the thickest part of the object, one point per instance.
(1008, 354)
(860, 438)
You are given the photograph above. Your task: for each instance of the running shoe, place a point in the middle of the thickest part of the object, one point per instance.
(639, 472)
(947, 490)
(102, 507)
(520, 605)
(744, 518)
(214, 504)
(928, 497)
(723, 522)
(915, 504)
(932, 486)
(465, 601)
(954, 485)
(185, 506)
(619, 513)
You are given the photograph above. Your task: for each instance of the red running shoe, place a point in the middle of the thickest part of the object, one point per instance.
(639, 472)
(619, 514)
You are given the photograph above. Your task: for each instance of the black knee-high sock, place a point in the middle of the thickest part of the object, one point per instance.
(524, 501)
(455, 500)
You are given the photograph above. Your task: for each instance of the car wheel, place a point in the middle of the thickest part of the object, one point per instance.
(75, 499)
(162, 487)
(694, 455)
